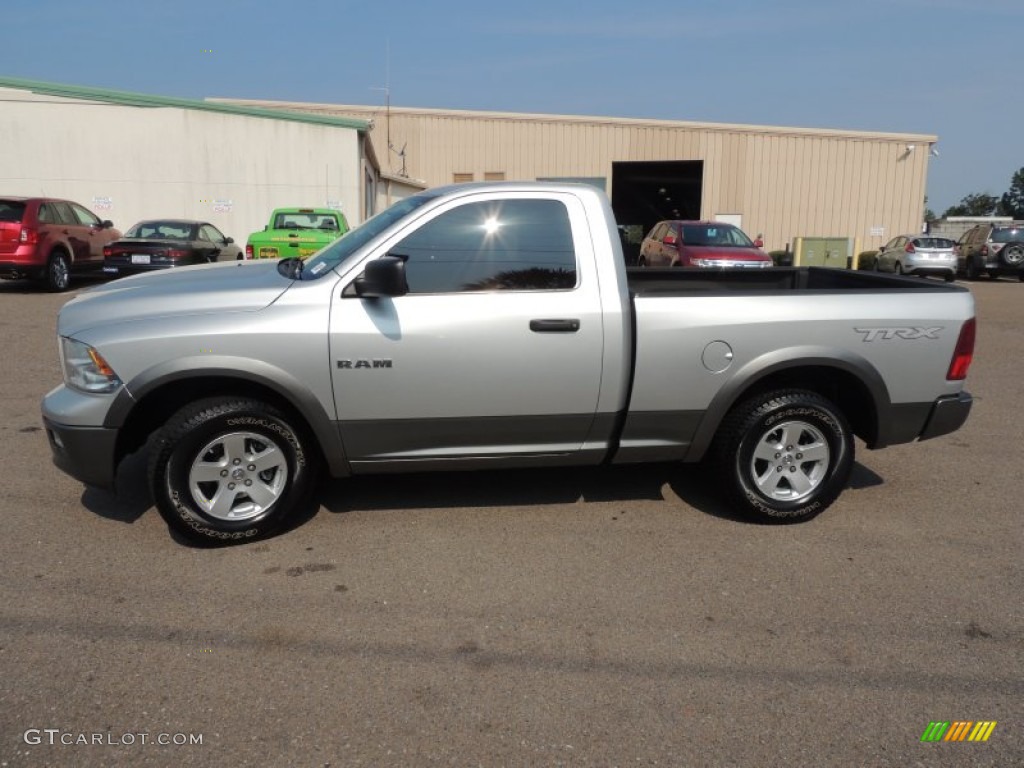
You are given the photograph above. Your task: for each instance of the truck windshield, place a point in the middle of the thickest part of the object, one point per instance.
(334, 254)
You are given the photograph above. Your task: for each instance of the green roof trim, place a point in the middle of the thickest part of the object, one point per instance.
(130, 99)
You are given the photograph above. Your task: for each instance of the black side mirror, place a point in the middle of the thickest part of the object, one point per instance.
(229, 240)
(107, 224)
(382, 277)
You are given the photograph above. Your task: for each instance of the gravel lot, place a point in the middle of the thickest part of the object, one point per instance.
(606, 617)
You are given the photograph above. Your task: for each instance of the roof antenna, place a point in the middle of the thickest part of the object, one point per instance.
(387, 110)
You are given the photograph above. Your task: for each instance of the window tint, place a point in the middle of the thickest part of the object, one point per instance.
(1000, 235)
(211, 233)
(933, 242)
(84, 217)
(715, 234)
(492, 246)
(48, 214)
(64, 214)
(11, 210)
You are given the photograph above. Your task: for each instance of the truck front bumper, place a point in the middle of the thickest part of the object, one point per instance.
(85, 453)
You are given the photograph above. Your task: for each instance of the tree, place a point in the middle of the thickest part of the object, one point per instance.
(975, 205)
(1012, 202)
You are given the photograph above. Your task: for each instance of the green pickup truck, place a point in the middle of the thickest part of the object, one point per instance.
(296, 232)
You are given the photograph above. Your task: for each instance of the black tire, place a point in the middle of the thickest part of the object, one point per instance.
(58, 272)
(993, 274)
(949, 277)
(225, 470)
(780, 483)
(1012, 254)
(898, 269)
(972, 268)
(641, 262)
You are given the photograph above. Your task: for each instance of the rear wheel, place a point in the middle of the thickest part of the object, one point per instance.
(229, 469)
(993, 274)
(784, 456)
(898, 269)
(972, 269)
(58, 272)
(949, 277)
(641, 262)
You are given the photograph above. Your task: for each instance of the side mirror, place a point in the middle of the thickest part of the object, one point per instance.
(107, 224)
(229, 240)
(382, 277)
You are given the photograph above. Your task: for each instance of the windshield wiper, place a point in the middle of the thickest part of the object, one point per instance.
(291, 267)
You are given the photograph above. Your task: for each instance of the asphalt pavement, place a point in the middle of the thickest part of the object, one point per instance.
(598, 617)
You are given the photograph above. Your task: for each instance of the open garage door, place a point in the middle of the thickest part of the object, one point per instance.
(644, 193)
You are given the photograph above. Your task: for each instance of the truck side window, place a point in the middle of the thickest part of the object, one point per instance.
(500, 245)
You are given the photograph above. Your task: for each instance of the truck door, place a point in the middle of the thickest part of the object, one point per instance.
(496, 351)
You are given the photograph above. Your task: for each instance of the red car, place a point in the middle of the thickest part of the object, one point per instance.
(46, 239)
(700, 244)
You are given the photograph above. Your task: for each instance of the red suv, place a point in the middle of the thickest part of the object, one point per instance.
(700, 244)
(46, 239)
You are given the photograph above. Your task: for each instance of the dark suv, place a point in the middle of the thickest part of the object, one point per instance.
(994, 248)
(42, 238)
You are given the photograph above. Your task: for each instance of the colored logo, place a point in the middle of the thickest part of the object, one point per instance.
(959, 730)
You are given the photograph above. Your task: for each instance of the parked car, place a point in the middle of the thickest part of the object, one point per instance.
(43, 238)
(997, 249)
(918, 255)
(166, 243)
(296, 232)
(495, 325)
(700, 244)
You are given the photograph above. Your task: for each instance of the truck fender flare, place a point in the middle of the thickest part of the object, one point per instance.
(291, 389)
(778, 361)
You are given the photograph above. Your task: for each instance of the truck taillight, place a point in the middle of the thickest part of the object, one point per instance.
(107, 251)
(964, 352)
(909, 248)
(28, 236)
(248, 251)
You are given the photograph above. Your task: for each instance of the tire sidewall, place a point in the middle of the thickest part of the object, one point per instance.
(1014, 247)
(837, 434)
(173, 464)
(58, 279)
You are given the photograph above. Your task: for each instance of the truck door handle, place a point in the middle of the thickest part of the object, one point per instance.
(554, 326)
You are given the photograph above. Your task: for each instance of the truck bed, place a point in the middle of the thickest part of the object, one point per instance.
(646, 281)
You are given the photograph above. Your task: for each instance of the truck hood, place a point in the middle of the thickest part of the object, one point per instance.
(239, 286)
(726, 252)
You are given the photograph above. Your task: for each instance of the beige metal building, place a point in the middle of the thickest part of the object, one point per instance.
(782, 182)
(130, 156)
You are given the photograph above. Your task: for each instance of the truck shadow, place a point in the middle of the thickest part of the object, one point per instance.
(692, 484)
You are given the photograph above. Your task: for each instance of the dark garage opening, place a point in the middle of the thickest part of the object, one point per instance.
(646, 192)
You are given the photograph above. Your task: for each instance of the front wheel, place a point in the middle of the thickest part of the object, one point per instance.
(58, 272)
(229, 469)
(784, 456)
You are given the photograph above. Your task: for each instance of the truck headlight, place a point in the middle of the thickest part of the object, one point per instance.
(85, 369)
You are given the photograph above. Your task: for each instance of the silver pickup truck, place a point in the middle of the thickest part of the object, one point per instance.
(495, 325)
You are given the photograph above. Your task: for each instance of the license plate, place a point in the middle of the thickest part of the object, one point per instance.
(140, 258)
(268, 253)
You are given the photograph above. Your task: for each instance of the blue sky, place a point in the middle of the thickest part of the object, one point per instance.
(945, 67)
